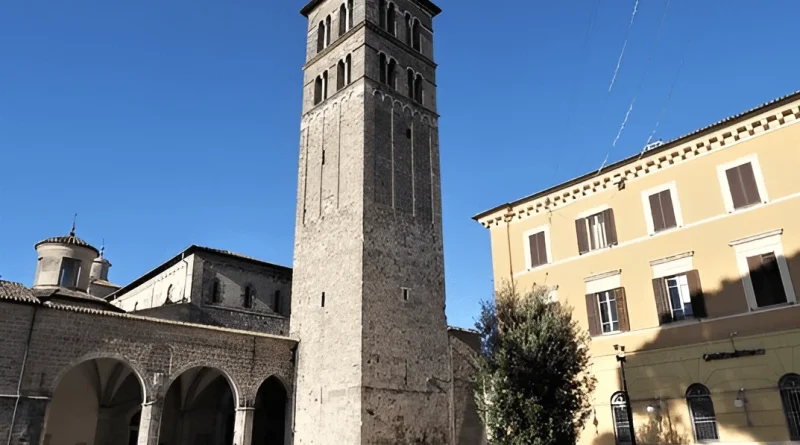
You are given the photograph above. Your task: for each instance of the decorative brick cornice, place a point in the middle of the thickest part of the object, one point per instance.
(678, 151)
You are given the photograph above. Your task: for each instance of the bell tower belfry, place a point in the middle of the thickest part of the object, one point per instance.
(368, 285)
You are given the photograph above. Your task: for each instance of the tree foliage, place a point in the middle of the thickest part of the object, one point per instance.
(532, 383)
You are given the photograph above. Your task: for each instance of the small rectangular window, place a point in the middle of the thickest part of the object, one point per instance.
(406, 293)
(537, 246)
(69, 273)
(323, 299)
(742, 186)
(408, 133)
(766, 279)
(680, 297)
(663, 211)
(609, 316)
(596, 231)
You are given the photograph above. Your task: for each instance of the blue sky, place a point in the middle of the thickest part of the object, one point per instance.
(167, 123)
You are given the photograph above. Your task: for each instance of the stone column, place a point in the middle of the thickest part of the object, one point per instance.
(243, 426)
(150, 423)
(28, 425)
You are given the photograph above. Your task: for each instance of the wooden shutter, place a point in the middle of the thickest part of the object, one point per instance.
(611, 227)
(696, 293)
(583, 238)
(538, 249)
(593, 315)
(656, 212)
(749, 184)
(663, 306)
(668, 210)
(622, 310)
(735, 187)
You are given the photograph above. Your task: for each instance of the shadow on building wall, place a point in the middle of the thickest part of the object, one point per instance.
(738, 354)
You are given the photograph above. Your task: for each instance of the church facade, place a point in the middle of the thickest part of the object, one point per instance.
(350, 346)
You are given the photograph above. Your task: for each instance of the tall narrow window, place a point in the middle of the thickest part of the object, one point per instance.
(348, 69)
(327, 31)
(418, 89)
(382, 62)
(349, 14)
(390, 19)
(342, 19)
(391, 73)
(216, 292)
(249, 296)
(789, 386)
(596, 231)
(701, 407)
(622, 421)
(766, 278)
(609, 316)
(324, 85)
(276, 302)
(341, 75)
(317, 90)
(679, 297)
(69, 273)
(320, 36)
(742, 186)
(410, 73)
(323, 299)
(408, 29)
(169, 294)
(382, 13)
(416, 37)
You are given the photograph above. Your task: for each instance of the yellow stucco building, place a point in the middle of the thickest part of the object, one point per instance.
(688, 257)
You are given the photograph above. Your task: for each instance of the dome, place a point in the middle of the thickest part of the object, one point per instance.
(70, 239)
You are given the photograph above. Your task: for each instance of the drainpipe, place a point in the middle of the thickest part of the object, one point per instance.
(21, 374)
(508, 217)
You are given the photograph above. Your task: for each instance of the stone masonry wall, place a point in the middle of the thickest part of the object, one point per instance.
(158, 351)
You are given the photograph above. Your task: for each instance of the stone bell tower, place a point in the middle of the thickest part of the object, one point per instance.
(373, 364)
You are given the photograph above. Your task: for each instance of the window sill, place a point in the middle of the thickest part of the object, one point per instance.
(747, 207)
(772, 307)
(664, 231)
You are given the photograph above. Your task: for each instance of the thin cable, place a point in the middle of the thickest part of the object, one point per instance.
(638, 87)
(624, 45)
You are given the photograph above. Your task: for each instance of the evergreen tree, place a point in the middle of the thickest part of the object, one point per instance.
(532, 385)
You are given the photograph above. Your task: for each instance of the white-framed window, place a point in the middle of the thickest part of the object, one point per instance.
(537, 247)
(596, 230)
(680, 297)
(763, 268)
(609, 315)
(742, 183)
(662, 210)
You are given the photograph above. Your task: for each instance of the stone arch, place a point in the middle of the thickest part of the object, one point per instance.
(271, 413)
(200, 403)
(96, 356)
(93, 400)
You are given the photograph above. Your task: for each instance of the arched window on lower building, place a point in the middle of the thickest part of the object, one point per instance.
(701, 408)
(416, 39)
(622, 421)
(324, 85)
(276, 302)
(349, 15)
(216, 291)
(789, 386)
(169, 294)
(411, 76)
(348, 70)
(327, 31)
(408, 28)
(382, 13)
(249, 296)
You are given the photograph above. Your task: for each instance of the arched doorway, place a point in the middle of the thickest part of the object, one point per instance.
(199, 409)
(94, 403)
(269, 420)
